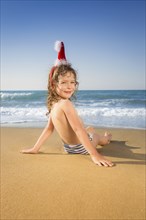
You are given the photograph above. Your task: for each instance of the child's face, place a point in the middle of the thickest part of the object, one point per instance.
(66, 85)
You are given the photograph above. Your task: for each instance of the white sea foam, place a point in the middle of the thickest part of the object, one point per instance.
(108, 112)
(113, 117)
(11, 95)
(22, 114)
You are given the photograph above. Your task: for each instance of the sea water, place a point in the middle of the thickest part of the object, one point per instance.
(100, 108)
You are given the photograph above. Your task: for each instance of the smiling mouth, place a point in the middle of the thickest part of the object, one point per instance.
(68, 92)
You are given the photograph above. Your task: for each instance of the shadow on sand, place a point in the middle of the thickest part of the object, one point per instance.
(120, 149)
(117, 149)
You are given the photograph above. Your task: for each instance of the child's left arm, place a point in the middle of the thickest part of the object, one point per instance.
(45, 134)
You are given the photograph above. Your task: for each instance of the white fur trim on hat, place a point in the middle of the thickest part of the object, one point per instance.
(59, 62)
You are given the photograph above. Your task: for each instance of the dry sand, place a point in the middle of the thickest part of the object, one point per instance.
(54, 185)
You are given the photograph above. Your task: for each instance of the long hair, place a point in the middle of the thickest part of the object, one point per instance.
(55, 72)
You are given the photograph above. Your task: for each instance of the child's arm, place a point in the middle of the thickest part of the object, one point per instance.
(81, 132)
(45, 134)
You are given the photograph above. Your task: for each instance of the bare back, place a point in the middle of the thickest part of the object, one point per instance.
(61, 124)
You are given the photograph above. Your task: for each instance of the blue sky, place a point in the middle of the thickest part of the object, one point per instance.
(104, 41)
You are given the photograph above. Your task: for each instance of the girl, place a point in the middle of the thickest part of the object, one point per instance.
(63, 117)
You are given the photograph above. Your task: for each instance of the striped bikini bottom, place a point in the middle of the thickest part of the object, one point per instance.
(78, 148)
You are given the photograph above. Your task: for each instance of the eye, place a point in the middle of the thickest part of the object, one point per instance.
(74, 82)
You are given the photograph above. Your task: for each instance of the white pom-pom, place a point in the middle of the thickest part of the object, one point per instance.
(57, 46)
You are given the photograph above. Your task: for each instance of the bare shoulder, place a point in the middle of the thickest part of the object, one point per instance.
(66, 105)
(71, 114)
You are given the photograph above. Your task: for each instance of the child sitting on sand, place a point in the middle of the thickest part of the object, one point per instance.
(63, 117)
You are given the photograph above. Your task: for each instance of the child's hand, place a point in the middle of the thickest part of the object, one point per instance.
(101, 161)
(29, 151)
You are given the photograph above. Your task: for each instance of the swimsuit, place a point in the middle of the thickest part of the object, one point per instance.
(78, 148)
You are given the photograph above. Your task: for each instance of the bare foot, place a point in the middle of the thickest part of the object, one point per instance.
(29, 151)
(105, 139)
(101, 161)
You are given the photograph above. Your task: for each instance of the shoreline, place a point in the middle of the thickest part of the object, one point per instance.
(53, 185)
(42, 125)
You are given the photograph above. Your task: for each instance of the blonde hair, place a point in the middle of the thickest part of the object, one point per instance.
(62, 70)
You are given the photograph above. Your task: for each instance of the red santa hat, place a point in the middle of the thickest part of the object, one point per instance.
(59, 47)
(61, 59)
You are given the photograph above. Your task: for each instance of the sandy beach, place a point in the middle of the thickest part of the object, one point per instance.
(55, 185)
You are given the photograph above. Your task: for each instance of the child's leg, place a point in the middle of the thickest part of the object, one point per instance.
(99, 139)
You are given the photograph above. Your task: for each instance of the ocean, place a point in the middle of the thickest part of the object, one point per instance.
(100, 108)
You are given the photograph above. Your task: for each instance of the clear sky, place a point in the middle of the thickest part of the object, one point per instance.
(104, 41)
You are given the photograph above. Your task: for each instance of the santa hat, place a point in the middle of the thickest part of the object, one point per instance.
(59, 47)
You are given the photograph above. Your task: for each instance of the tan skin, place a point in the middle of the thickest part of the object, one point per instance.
(65, 120)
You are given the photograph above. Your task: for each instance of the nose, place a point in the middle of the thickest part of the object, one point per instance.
(69, 85)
